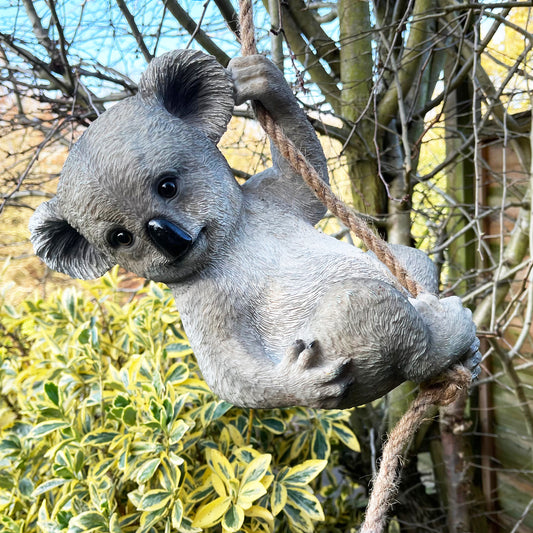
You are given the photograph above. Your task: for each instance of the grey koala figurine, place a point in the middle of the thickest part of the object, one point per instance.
(277, 313)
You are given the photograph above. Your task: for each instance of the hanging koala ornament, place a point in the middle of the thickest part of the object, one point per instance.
(277, 313)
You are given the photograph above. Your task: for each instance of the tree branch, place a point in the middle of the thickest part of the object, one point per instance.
(323, 44)
(230, 16)
(200, 36)
(40, 33)
(135, 30)
(65, 69)
(408, 67)
(326, 83)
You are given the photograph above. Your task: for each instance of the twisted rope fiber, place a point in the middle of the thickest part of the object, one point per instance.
(442, 391)
(449, 386)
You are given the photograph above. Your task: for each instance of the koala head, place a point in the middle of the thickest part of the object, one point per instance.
(145, 186)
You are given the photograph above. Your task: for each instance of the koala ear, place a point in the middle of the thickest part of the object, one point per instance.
(192, 86)
(62, 247)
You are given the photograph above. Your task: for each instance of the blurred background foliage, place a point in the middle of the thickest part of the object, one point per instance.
(107, 426)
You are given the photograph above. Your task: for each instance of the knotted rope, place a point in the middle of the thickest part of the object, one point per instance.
(442, 391)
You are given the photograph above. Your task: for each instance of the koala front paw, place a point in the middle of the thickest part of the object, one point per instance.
(472, 359)
(320, 383)
(257, 78)
(305, 355)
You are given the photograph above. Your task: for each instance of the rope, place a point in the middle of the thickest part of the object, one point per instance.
(324, 193)
(311, 177)
(443, 392)
(446, 388)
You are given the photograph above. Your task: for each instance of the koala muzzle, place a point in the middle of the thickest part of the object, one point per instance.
(171, 240)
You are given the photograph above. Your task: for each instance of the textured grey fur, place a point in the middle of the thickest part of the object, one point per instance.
(277, 313)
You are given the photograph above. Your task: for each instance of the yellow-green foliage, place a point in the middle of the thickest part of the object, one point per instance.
(107, 426)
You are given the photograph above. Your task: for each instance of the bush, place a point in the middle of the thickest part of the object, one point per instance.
(107, 426)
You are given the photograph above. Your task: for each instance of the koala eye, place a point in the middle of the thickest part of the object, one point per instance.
(120, 238)
(168, 187)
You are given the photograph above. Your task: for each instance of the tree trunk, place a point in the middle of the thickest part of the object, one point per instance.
(460, 186)
(364, 190)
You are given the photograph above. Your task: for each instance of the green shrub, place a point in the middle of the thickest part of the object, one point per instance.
(107, 426)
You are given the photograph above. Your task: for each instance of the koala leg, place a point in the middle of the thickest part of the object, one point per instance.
(452, 336)
(389, 339)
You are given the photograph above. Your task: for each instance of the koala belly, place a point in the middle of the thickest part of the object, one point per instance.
(350, 318)
(288, 307)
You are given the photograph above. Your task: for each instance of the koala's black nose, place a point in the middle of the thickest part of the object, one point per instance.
(169, 238)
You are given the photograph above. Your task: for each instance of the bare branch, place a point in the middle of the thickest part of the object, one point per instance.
(230, 16)
(200, 36)
(325, 47)
(134, 30)
(407, 69)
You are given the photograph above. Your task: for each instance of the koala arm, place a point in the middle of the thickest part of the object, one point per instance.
(388, 338)
(242, 374)
(363, 340)
(439, 314)
(256, 78)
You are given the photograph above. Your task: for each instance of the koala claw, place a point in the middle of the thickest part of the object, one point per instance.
(335, 390)
(302, 354)
(327, 383)
(310, 355)
(295, 350)
(472, 359)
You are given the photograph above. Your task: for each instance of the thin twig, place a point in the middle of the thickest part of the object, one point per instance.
(199, 25)
(134, 30)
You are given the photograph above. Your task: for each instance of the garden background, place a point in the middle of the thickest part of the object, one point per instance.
(423, 108)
